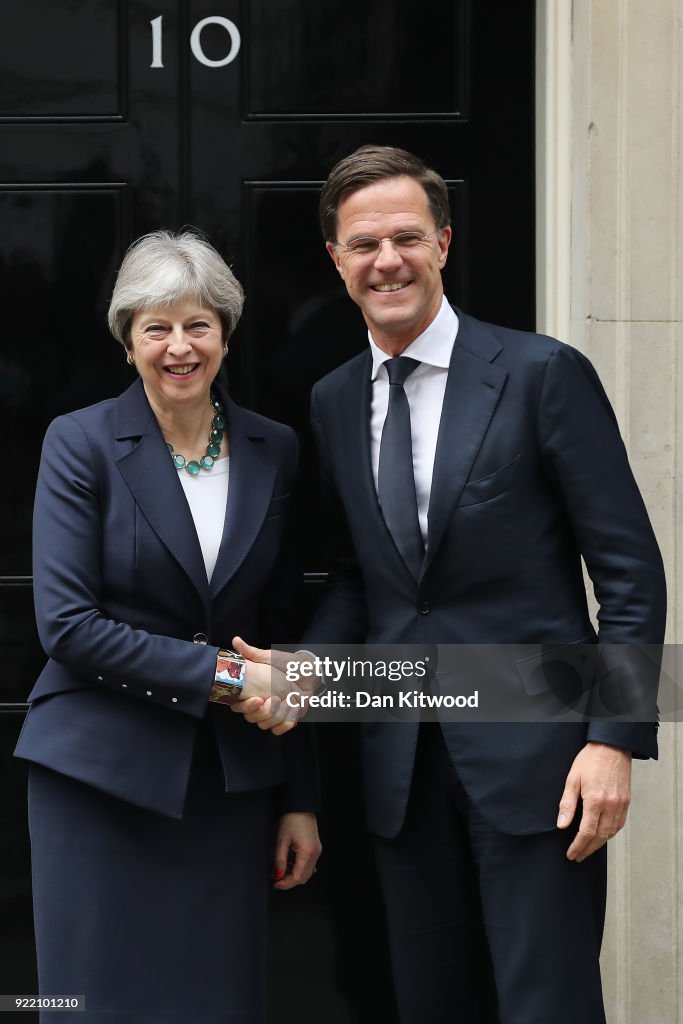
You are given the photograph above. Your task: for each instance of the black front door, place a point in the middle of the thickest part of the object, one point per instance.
(121, 116)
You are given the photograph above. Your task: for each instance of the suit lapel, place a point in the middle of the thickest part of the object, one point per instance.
(153, 482)
(356, 413)
(250, 489)
(473, 389)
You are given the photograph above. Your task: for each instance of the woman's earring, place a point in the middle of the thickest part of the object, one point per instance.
(225, 349)
(130, 359)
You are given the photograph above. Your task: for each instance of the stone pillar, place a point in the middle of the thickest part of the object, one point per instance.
(610, 245)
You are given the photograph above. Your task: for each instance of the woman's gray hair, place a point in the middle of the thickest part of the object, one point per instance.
(164, 268)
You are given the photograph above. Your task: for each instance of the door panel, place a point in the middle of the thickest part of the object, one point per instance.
(55, 272)
(365, 61)
(46, 77)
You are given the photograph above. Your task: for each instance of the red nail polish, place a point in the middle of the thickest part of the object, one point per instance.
(279, 874)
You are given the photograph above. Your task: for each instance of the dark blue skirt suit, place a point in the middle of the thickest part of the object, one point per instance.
(150, 809)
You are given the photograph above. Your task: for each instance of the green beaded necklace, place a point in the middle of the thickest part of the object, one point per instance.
(213, 448)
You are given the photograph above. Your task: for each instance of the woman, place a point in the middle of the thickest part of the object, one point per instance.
(158, 535)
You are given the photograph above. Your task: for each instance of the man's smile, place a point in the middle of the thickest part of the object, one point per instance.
(398, 286)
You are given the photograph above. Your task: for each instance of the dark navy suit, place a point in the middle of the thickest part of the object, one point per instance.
(121, 595)
(530, 474)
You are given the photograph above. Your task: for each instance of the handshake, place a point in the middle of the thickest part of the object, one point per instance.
(270, 678)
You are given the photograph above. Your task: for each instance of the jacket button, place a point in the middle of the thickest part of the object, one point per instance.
(200, 638)
(174, 700)
(99, 679)
(149, 693)
(424, 608)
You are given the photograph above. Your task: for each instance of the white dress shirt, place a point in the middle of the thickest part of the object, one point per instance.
(425, 388)
(207, 496)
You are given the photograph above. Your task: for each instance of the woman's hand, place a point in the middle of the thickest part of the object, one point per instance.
(261, 679)
(264, 700)
(272, 715)
(297, 849)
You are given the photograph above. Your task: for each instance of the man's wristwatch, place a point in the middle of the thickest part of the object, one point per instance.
(228, 682)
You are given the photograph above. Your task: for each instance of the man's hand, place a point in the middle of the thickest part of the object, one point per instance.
(271, 710)
(601, 776)
(297, 849)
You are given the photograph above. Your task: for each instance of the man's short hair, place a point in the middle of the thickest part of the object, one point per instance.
(369, 164)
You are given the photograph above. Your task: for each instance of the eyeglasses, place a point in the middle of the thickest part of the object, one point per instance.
(403, 242)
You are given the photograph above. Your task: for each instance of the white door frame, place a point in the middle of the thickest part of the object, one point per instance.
(553, 166)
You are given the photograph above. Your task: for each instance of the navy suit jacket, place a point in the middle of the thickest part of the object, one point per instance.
(530, 474)
(121, 591)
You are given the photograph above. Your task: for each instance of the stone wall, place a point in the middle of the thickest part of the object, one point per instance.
(610, 239)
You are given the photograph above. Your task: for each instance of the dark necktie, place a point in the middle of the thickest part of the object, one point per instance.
(396, 480)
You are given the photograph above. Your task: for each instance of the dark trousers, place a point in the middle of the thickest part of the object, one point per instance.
(450, 878)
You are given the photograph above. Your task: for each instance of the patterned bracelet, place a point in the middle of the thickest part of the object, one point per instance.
(228, 682)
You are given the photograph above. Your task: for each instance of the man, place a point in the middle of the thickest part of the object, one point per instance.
(518, 471)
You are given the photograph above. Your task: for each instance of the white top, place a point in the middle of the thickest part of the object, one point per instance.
(207, 496)
(425, 389)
